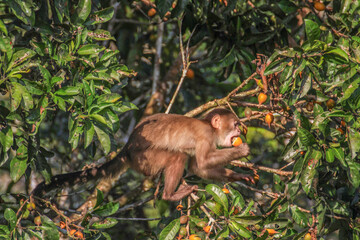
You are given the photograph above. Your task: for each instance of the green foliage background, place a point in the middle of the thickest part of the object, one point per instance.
(70, 71)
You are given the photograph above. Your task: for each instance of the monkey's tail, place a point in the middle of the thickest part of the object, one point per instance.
(107, 172)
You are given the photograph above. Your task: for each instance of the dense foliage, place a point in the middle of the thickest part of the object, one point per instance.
(69, 69)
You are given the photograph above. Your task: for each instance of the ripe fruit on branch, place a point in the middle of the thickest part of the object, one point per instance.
(207, 229)
(236, 141)
(190, 73)
(183, 220)
(194, 237)
(79, 234)
(37, 220)
(307, 236)
(226, 191)
(330, 103)
(262, 98)
(62, 225)
(248, 112)
(269, 118)
(179, 207)
(271, 231)
(319, 6)
(182, 231)
(151, 12)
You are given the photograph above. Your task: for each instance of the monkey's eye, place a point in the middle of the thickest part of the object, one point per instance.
(237, 124)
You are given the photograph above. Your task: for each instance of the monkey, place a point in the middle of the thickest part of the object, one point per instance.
(164, 143)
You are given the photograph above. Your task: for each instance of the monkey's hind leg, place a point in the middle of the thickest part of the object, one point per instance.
(173, 173)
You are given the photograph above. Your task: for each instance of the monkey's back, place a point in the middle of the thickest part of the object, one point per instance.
(170, 132)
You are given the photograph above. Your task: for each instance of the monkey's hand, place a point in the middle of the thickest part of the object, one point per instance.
(243, 150)
(244, 177)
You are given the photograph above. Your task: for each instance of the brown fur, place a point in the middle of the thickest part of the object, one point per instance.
(163, 143)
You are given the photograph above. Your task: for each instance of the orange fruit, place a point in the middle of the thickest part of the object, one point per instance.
(194, 237)
(226, 191)
(262, 98)
(256, 178)
(207, 229)
(37, 220)
(79, 234)
(341, 131)
(269, 118)
(62, 225)
(179, 207)
(190, 73)
(330, 103)
(307, 236)
(236, 141)
(302, 153)
(271, 231)
(151, 12)
(30, 206)
(183, 220)
(319, 6)
(72, 231)
(343, 123)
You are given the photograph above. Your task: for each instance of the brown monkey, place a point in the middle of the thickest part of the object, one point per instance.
(163, 143)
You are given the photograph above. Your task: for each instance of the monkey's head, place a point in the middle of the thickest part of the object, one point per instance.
(225, 124)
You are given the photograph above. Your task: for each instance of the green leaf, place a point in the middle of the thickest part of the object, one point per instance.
(90, 49)
(19, 92)
(102, 16)
(276, 66)
(299, 217)
(101, 35)
(50, 230)
(3, 27)
(68, 91)
(6, 138)
(99, 198)
(43, 167)
(104, 139)
(20, 56)
(338, 52)
(215, 207)
(339, 154)
(330, 156)
(82, 12)
(10, 216)
(354, 142)
(17, 168)
(107, 209)
(354, 173)
(88, 133)
(306, 138)
(98, 118)
(61, 6)
(242, 231)
(312, 30)
(163, 6)
(308, 174)
(247, 220)
(219, 196)
(106, 223)
(170, 231)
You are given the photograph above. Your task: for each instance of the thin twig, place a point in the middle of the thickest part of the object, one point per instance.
(186, 64)
(138, 219)
(261, 168)
(156, 75)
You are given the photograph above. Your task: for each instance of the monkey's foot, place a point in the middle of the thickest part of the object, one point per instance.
(183, 191)
(245, 177)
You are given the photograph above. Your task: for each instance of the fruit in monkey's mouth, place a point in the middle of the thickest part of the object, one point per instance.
(236, 141)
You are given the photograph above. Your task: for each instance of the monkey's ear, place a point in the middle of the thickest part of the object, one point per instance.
(216, 121)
